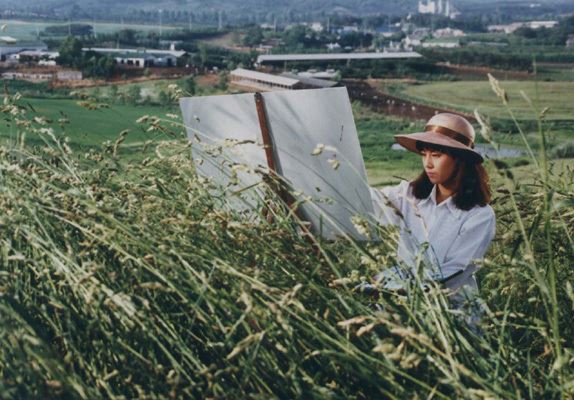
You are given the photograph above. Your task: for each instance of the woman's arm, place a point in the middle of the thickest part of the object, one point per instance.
(388, 203)
(471, 244)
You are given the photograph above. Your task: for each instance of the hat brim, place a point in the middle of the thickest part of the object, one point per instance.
(410, 141)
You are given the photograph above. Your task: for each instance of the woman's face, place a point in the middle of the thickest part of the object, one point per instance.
(438, 166)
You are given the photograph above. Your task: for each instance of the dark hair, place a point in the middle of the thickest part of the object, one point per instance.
(470, 180)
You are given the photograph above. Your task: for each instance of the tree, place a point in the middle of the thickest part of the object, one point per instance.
(222, 81)
(71, 53)
(134, 94)
(189, 85)
(253, 37)
(113, 93)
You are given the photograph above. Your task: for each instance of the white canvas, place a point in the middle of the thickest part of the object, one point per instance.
(301, 123)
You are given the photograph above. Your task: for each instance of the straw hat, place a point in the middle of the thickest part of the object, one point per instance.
(445, 129)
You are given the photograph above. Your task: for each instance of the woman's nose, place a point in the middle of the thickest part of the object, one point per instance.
(428, 161)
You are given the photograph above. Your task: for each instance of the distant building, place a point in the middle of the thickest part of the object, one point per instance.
(333, 46)
(141, 58)
(317, 27)
(259, 81)
(313, 73)
(448, 32)
(35, 56)
(511, 28)
(436, 7)
(43, 75)
(409, 42)
(6, 50)
(69, 75)
(570, 41)
(451, 44)
(29, 76)
(420, 33)
(324, 57)
(307, 82)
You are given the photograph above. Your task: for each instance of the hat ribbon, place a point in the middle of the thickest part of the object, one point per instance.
(451, 134)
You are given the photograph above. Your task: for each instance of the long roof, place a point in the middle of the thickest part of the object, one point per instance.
(320, 83)
(111, 50)
(274, 79)
(337, 56)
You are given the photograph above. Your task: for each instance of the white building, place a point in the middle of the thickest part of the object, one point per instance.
(259, 81)
(511, 28)
(333, 46)
(317, 27)
(448, 33)
(321, 57)
(442, 44)
(69, 75)
(436, 7)
(141, 58)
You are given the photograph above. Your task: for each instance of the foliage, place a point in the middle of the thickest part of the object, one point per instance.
(189, 85)
(253, 36)
(555, 36)
(91, 63)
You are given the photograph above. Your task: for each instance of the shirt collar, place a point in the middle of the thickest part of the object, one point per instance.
(448, 203)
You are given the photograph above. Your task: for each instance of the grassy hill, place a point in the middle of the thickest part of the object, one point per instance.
(130, 278)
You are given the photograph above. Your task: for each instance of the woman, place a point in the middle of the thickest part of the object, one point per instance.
(443, 214)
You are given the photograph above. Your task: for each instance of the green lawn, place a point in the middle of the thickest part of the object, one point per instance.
(88, 127)
(468, 96)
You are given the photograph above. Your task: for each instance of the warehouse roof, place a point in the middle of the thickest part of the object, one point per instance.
(260, 76)
(175, 53)
(337, 56)
(320, 83)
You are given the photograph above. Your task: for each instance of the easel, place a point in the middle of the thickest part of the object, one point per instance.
(273, 179)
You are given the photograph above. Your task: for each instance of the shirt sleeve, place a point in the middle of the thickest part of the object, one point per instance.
(388, 203)
(471, 244)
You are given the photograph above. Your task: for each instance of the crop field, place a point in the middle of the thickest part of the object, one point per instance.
(86, 127)
(468, 96)
(129, 277)
(25, 30)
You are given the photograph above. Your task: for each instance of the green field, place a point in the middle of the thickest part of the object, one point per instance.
(91, 128)
(87, 127)
(24, 30)
(468, 96)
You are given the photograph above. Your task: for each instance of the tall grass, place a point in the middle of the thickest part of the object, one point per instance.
(127, 279)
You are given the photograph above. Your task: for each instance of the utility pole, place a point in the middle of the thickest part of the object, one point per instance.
(220, 21)
(160, 22)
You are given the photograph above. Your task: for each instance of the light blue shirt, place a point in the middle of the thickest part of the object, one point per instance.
(454, 239)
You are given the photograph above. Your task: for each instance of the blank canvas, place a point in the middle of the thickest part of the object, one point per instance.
(316, 150)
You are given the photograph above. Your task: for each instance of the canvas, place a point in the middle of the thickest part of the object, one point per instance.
(316, 149)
